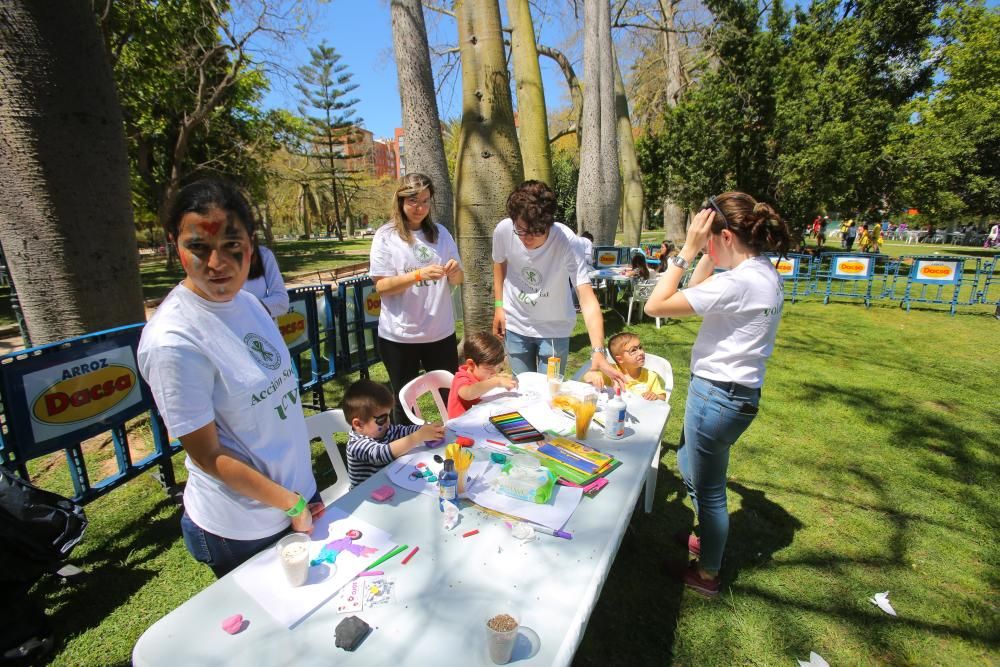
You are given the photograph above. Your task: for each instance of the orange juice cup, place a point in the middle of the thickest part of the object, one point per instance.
(584, 409)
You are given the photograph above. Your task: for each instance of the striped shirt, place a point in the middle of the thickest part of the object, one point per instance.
(366, 456)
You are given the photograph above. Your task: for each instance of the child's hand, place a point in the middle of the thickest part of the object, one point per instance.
(505, 381)
(595, 378)
(650, 396)
(430, 432)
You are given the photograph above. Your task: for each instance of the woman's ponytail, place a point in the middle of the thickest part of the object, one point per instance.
(756, 223)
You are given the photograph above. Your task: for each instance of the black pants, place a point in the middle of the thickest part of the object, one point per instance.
(403, 362)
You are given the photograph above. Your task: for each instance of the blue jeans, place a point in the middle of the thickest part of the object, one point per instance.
(714, 418)
(222, 554)
(532, 354)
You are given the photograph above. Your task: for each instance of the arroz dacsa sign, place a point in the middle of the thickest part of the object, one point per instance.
(78, 393)
(935, 272)
(852, 267)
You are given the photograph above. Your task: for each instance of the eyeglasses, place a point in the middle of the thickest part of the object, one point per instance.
(710, 203)
(633, 350)
(527, 232)
(416, 203)
(380, 420)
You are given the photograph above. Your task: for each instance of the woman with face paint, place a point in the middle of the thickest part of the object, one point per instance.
(225, 385)
(741, 308)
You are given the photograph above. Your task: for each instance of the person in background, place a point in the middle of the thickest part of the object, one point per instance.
(587, 248)
(374, 441)
(534, 261)
(850, 235)
(741, 308)
(875, 239)
(484, 355)
(225, 385)
(666, 251)
(638, 269)
(414, 264)
(265, 282)
(864, 240)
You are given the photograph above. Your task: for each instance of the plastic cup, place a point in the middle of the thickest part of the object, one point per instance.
(501, 635)
(293, 554)
(584, 409)
(555, 384)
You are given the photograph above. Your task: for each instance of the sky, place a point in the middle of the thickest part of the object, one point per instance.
(361, 32)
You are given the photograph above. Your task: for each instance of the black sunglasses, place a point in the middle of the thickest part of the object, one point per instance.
(380, 420)
(710, 203)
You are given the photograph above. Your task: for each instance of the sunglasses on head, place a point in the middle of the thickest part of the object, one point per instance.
(380, 420)
(710, 203)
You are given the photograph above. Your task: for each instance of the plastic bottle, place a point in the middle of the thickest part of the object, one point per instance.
(614, 416)
(553, 367)
(448, 485)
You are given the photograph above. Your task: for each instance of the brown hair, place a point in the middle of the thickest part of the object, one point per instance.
(534, 204)
(363, 398)
(484, 348)
(410, 186)
(616, 343)
(754, 223)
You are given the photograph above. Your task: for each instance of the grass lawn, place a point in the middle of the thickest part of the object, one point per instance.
(873, 466)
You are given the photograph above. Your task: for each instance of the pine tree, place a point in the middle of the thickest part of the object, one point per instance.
(333, 135)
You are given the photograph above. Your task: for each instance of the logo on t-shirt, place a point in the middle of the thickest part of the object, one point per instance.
(263, 353)
(532, 276)
(422, 253)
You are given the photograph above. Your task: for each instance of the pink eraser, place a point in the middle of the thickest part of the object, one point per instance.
(383, 493)
(233, 624)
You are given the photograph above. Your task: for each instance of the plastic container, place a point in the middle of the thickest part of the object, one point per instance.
(524, 478)
(614, 416)
(501, 636)
(293, 554)
(553, 366)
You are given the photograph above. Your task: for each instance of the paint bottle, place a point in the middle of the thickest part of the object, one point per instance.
(448, 485)
(553, 368)
(614, 416)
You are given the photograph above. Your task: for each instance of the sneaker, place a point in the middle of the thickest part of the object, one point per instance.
(703, 586)
(692, 541)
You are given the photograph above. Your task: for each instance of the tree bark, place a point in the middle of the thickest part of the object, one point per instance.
(65, 200)
(489, 159)
(421, 121)
(632, 195)
(575, 89)
(533, 132)
(674, 217)
(598, 185)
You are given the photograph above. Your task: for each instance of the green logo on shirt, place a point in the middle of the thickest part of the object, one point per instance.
(263, 353)
(532, 276)
(422, 253)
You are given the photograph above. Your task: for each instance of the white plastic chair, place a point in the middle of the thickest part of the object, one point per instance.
(432, 382)
(640, 294)
(323, 426)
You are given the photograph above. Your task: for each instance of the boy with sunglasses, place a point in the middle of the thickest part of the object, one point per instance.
(374, 442)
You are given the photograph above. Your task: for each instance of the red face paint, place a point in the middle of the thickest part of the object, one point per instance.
(711, 250)
(211, 227)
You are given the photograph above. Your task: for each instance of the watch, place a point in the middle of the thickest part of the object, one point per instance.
(600, 350)
(679, 261)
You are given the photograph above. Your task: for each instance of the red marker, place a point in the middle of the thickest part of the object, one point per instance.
(497, 443)
(410, 555)
(470, 533)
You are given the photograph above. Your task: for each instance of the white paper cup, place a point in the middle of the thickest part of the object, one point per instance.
(501, 637)
(293, 554)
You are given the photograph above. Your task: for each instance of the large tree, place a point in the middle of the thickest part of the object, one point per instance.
(598, 191)
(65, 213)
(632, 196)
(532, 119)
(489, 159)
(424, 145)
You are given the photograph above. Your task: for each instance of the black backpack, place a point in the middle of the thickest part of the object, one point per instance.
(38, 528)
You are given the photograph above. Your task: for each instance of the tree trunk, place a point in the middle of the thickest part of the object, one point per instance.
(674, 217)
(674, 222)
(632, 196)
(598, 185)
(533, 132)
(575, 89)
(489, 160)
(421, 122)
(65, 200)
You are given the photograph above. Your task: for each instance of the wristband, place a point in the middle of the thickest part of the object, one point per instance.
(416, 275)
(297, 508)
(498, 303)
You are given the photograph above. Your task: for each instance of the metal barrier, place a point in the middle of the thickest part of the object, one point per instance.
(990, 292)
(847, 275)
(360, 306)
(59, 395)
(310, 332)
(799, 270)
(606, 257)
(938, 279)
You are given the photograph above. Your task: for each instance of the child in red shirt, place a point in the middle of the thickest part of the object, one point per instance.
(484, 354)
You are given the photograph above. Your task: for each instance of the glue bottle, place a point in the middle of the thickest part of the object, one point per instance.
(614, 416)
(448, 485)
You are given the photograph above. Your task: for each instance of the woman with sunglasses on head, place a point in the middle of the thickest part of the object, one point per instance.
(535, 260)
(741, 308)
(414, 264)
(225, 385)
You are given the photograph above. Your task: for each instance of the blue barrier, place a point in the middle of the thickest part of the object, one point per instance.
(360, 306)
(56, 396)
(606, 256)
(938, 279)
(797, 269)
(990, 292)
(309, 329)
(847, 275)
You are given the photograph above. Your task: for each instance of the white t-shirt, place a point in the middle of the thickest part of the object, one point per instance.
(269, 288)
(741, 310)
(422, 313)
(536, 291)
(587, 250)
(226, 362)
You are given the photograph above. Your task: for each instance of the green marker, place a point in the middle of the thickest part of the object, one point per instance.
(397, 550)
